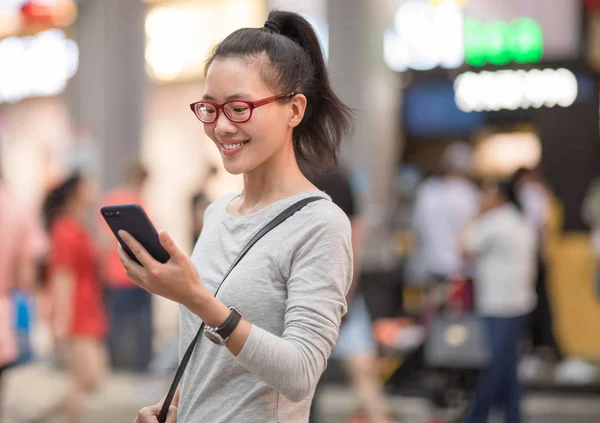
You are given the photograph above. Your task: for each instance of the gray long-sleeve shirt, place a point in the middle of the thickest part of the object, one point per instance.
(291, 286)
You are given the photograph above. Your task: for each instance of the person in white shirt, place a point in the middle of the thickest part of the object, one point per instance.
(502, 243)
(545, 349)
(443, 207)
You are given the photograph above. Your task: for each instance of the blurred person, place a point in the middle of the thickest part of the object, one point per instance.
(77, 315)
(502, 244)
(443, 206)
(22, 244)
(576, 370)
(591, 215)
(129, 307)
(269, 109)
(355, 347)
(200, 201)
(535, 201)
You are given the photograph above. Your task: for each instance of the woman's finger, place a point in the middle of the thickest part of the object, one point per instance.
(169, 245)
(134, 270)
(138, 250)
(172, 415)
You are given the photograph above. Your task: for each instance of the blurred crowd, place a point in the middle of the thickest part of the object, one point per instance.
(59, 269)
(64, 291)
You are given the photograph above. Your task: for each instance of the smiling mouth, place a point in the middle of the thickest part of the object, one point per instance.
(233, 146)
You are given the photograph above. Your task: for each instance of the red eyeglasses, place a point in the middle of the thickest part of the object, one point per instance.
(237, 111)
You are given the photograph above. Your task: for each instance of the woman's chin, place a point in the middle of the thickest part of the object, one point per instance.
(234, 168)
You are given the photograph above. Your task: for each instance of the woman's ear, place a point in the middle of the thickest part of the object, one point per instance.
(298, 107)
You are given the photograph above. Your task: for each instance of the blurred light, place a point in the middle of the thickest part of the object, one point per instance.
(425, 36)
(39, 66)
(498, 42)
(460, 3)
(528, 41)
(511, 90)
(11, 6)
(18, 16)
(501, 154)
(181, 36)
(57, 13)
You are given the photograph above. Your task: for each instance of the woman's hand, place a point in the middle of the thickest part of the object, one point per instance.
(150, 414)
(177, 279)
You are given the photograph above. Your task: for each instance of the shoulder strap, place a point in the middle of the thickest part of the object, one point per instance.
(280, 218)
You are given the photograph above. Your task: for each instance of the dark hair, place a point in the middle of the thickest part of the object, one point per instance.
(508, 190)
(57, 198)
(295, 62)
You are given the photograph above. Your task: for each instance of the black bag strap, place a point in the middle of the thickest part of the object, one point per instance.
(280, 218)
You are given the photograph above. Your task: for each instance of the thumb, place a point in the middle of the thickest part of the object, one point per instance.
(172, 415)
(168, 244)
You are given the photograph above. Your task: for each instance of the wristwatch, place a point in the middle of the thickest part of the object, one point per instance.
(220, 335)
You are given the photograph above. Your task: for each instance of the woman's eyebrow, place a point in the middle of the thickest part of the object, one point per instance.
(236, 96)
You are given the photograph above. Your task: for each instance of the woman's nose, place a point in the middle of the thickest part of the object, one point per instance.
(224, 126)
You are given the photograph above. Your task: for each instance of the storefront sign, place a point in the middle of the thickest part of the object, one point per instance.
(499, 43)
(512, 90)
(36, 66)
(425, 36)
(428, 35)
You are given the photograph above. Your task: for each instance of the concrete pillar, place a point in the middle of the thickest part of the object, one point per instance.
(363, 81)
(107, 94)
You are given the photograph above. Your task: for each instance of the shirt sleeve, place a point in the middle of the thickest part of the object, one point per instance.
(319, 265)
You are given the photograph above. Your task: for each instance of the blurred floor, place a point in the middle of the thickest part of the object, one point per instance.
(540, 408)
(30, 390)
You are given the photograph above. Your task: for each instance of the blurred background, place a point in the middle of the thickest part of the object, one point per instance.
(477, 89)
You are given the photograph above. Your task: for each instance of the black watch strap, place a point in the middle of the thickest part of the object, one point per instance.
(229, 325)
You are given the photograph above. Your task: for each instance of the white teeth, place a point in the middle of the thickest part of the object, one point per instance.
(232, 146)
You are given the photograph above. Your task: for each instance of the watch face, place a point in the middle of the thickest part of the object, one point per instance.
(214, 337)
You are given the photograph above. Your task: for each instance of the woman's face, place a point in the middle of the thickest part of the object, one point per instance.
(87, 192)
(267, 134)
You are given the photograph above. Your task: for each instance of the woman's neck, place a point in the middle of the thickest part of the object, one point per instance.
(271, 182)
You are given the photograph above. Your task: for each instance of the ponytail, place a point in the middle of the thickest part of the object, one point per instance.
(295, 62)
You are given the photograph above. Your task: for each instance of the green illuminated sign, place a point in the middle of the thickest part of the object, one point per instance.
(499, 43)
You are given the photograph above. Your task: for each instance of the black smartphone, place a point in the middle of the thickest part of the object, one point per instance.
(133, 219)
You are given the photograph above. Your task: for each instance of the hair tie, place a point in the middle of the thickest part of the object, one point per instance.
(273, 26)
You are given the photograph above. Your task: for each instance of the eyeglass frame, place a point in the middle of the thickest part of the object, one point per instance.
(251, 104)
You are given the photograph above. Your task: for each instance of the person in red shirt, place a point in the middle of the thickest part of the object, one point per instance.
(129, 306)
(76, 311)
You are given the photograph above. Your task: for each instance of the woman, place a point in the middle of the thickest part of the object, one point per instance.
(503, 245)
(535, 200)
(77, 315)
(269, 109)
